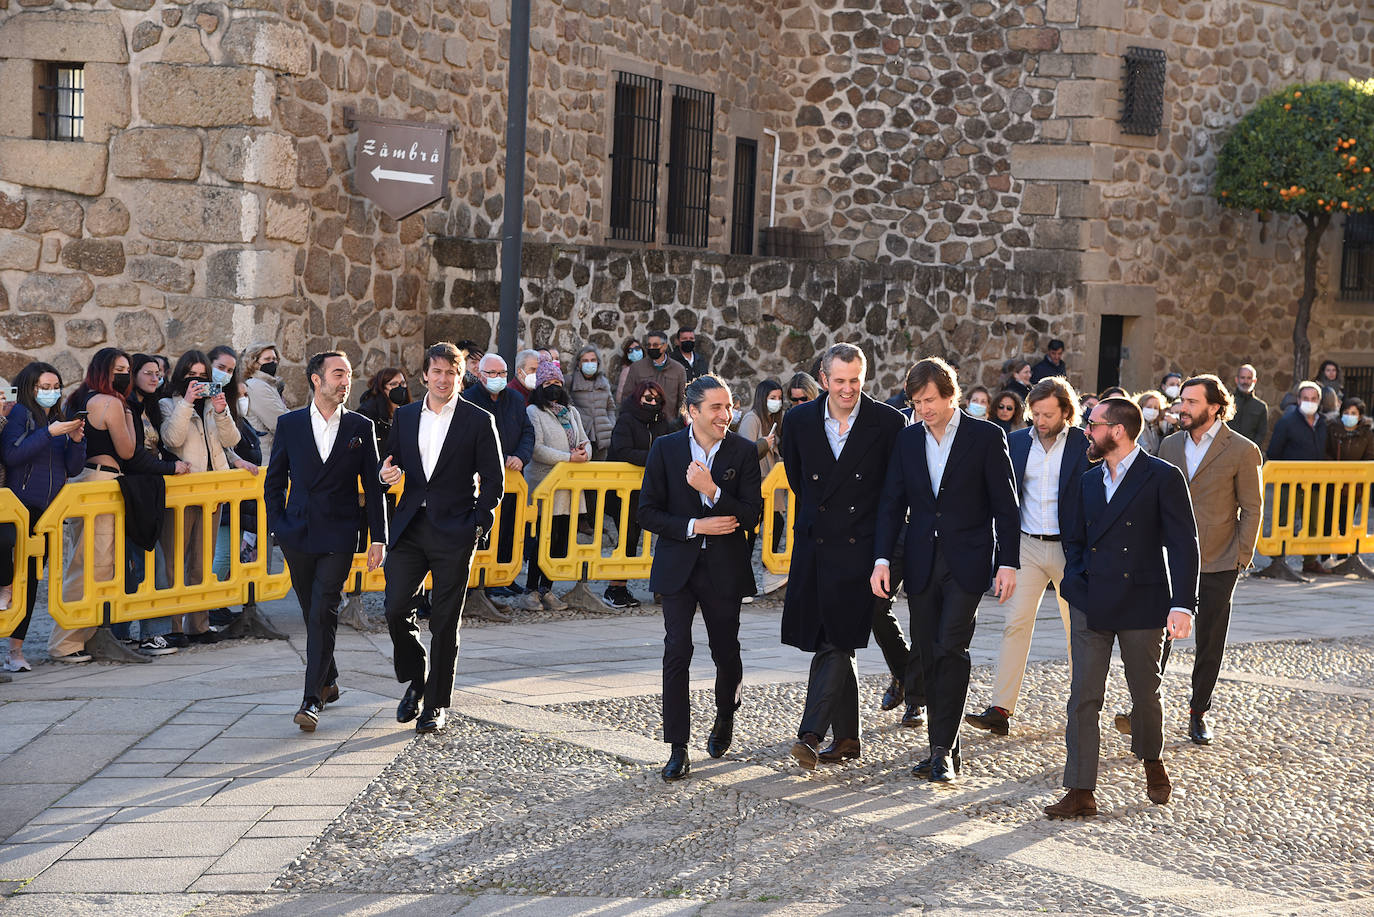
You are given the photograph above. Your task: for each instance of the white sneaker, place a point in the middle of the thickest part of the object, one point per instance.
(6, 596)
(16, 665)
(746, 600)
(156, 646)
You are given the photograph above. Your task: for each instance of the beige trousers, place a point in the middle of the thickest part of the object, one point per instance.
(1042, 563)
(64, 642)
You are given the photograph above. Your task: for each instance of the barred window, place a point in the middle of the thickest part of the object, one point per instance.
(1357, 258)
(62, 105)
(634, 157)
(689, 166)
(1142, 95)
(742, 198)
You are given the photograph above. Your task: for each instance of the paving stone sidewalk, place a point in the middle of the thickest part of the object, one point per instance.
(184, 781)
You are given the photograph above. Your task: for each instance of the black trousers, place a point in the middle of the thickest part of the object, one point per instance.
(505, 533)
(1210, 625)
(903, 658)
(943, 617)
(721, 616)
(319, 581)
(536, 580)
(424, 550)
(21, 630)
(832, 694)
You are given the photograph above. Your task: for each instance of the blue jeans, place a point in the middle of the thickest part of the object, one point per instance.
(135, 571)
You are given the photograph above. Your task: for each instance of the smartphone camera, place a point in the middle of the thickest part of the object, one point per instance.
(212, 389)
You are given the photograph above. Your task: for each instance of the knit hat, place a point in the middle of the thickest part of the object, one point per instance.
(548, 371)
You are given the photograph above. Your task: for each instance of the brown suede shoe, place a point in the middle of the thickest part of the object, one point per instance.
(804, 750)
(1074, 804)
(838, 751)
(1157, 785)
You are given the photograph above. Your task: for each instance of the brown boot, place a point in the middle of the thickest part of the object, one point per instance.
(1157, 785)
(838, 751)
(804, 750)
(1074, 804)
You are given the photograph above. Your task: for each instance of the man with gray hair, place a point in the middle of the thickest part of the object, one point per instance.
(522, 381)
(1252, 414)
(836, 450)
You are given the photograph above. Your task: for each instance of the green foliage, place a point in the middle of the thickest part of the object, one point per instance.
(1307, 149)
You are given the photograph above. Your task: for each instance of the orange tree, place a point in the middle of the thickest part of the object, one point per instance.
(1307, 151)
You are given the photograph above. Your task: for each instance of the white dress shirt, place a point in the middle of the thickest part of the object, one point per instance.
(326, 431)
(1194, 453)
(833, 435)
(708, 459)
(1040, 486)
(433, 432)
(937, 453)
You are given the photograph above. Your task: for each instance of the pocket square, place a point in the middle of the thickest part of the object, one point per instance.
(355, 443)
(728, 474)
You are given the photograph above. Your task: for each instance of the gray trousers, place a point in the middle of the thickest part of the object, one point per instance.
(832, 695)
(1092, 657)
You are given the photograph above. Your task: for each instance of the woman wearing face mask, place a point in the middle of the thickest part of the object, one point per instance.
(979, 402)
(762, 423)
(1170, 387)
(1156, 425)
(101, 399)
(386, 391)
(590, 392)
(641, 421)
(247, 455)
(261, 362)
(41, 451)
(558, 437)
(200, 430)
(631, 352)
(1348, 439)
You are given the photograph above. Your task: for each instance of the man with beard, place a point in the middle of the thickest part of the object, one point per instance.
(1252, 413)
(1223, 470)
(1130, 576)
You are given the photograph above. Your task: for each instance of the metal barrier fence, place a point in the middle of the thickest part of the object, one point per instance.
(1317, 508)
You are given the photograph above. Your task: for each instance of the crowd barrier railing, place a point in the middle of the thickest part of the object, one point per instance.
(616, 482)
(487, 568)
(1317, 508)
(779, 504)
(92, 514)
(14, 513)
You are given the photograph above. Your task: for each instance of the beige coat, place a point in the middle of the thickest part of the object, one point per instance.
(1227, 497)
(198, 441)
(264, 407)
(751, 428)
(550, 448)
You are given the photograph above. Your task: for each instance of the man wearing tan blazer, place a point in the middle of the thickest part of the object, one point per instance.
(1223, 472)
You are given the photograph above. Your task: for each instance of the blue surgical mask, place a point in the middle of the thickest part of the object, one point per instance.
(636, 354)
(589, 369)
(220, 377)
(47, 397)
(977, 409)
(1350, 420)
(495, 385)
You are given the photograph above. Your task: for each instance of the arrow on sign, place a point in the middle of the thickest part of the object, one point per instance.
(414, 178)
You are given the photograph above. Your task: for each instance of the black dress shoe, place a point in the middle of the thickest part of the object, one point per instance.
(991, 719)
(331, 693)
(678, 766)
(722, 734)
(894, 695)
(942, 768)
(1198, 730)
(308, 716)
(922, 770)
(409, 707)
(914, 717)
(431, 720)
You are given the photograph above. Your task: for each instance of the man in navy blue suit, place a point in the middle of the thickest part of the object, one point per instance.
(1047, 458)
(951, 477)
(448, 451)
(702, 492)
(323, 451)
(1130, 575)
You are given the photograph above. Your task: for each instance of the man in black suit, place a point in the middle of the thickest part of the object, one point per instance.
(1130, 577)
(449, 453)
(702, 492)
(951, 478)
(836, 451)
(323, 451)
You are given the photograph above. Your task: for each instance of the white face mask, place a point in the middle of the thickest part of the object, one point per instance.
(977, 409)
(243, 406)
(1151, 414)
(735, 415)
(774, 405)
(530, 381)
(1308, 407)
(1171, 391)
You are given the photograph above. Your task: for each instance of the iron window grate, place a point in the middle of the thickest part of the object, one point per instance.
(634, 157)
(1359, 382)
(1142, 96)
(689, 166)
(1357, 258)
(742, 198)
(63, 101)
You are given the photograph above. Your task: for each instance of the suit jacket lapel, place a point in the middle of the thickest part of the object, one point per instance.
(963, 442)
(312, 451)
(341, 442)
(856, 445)
(1125, 492)
(409, 438)
(450, 444)
(1220, 443)
(922, 470)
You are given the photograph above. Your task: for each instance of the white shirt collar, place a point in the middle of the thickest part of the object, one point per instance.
(332, 419)
(448, 407)
(853, 416)
(1122, 468)
(1207, 437)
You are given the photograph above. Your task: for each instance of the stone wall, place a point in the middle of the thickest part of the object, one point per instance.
(757, 317)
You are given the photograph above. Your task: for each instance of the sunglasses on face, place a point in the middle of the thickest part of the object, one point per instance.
(1006, 407)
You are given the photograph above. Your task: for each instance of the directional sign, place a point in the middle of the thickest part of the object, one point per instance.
(401, 165)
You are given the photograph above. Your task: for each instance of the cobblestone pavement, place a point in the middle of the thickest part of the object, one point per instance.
(183, 781)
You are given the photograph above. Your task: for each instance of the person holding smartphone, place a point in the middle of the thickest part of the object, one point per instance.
(558, 437)
(762, 425)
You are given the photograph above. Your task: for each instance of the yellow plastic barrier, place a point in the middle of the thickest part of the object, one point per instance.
(486, 569)
(14, 513)
(773, 485)
(587, 558)
(96, 509)
(1317, 508)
